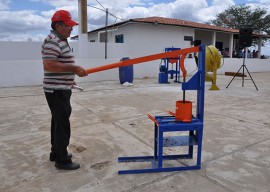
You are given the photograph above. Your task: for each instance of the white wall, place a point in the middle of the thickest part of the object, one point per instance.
(225, 38)
(137, 42)
(21, 65)
(253, 65)
(161, 38)
(20, 73)
(20, 51)
(204, 36)
(30, 72)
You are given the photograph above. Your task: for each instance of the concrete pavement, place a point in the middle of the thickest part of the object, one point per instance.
(109, 120)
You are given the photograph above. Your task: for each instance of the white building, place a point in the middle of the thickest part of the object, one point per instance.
(153, 34)
(21, 64)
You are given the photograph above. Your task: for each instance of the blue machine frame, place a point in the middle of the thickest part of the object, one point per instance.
(173, 72)
(166, 124)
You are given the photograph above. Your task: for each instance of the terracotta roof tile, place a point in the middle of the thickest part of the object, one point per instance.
(178, 22)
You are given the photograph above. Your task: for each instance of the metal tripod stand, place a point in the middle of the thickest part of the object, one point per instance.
(243, 75)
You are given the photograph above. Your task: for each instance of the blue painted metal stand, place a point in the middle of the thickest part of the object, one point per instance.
(166, 124)
(172, 72)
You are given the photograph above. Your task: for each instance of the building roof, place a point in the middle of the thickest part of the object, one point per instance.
(174, 22)
(182, 23)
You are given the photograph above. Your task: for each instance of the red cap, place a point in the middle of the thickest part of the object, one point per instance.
(63, 15)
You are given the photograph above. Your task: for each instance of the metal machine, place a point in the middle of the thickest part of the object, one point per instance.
(182, 121)
(212, 64)
(165, 70)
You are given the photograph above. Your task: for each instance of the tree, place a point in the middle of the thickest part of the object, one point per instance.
(239, 16)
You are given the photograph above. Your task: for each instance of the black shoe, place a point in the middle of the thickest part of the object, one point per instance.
(53, 156)
(67, 165)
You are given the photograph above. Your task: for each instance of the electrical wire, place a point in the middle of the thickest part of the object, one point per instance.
(100, 5)
(105, 11)
(96, 7)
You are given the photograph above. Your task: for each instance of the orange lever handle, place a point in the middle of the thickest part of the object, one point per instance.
(153, 119)
(182, 66)
(138, 60)
(171, 113)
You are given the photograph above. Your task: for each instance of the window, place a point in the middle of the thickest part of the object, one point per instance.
(102, 37)
(119, 38)
(92, 41)
(188, 38)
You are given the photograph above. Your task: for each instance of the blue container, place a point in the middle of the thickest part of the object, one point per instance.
(163, 78)
(126, 73)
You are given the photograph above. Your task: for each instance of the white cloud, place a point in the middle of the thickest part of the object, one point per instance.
(24, 23)
(4, 4)
(264, 2)
(21, 22)
(117, 3)
(180, 9)
(61, 3)
(21, 37)
(209, 12)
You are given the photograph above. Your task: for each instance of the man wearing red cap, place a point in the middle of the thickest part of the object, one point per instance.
(59, 73)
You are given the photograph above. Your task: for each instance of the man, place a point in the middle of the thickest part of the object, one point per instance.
(59, 73)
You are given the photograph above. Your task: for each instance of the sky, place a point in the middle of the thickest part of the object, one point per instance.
(24, 19)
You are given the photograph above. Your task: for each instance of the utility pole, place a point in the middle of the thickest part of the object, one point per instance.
(83, 36)
(106, 33)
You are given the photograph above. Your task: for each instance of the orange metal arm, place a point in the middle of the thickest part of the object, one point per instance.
(182, 66)
(138, 60)
(153, 119)
(171, 113)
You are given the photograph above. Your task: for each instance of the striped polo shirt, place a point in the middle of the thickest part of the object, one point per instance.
(56, 48)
